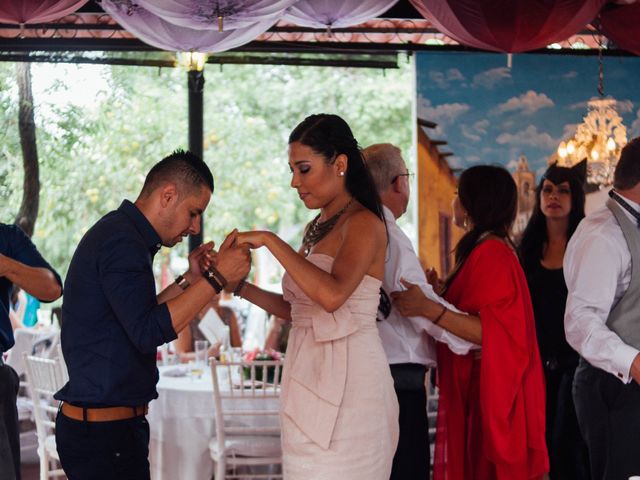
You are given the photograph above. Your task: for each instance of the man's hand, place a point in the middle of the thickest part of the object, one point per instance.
(635, 369)
(200, 259)
(234, 262)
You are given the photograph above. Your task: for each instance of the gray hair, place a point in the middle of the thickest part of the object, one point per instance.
(385, 162)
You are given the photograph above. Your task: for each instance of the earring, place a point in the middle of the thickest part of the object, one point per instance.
(465, 222)
(341, 174)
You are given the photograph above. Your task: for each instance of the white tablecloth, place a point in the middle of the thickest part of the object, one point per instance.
(181, 423)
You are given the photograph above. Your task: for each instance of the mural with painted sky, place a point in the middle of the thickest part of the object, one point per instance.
(491, 113)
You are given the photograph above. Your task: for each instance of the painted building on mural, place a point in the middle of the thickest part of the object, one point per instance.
(436, 190)
(526, 182)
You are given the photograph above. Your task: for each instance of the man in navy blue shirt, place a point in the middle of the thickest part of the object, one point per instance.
(114, 321)
(20, 264)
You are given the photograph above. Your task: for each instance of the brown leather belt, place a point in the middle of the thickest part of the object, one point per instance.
(107, 414)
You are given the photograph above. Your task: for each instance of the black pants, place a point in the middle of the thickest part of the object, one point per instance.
(567, 451)
(103, 450)
(609, 418)
(9, 432)
(411, 460)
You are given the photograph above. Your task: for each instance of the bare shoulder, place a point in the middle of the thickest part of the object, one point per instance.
(362, 220)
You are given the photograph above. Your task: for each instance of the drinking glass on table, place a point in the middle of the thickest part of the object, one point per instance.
(201, 349)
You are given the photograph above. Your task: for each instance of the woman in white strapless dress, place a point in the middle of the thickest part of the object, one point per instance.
(339, 409)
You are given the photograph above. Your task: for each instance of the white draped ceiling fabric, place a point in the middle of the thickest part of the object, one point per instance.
(335, 13)
(229, 14)
(157, 31)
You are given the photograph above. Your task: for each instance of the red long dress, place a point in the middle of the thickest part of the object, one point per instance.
(491, 416)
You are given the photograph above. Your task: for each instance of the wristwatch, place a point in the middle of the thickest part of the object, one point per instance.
(182, 282)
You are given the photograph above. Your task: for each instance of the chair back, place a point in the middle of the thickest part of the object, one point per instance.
(246, 397)
(45, 377)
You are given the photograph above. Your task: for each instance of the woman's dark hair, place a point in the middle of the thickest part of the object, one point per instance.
(490, 197)
(330, 136)
(535, 236)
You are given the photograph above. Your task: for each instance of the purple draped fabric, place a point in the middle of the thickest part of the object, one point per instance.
(620, 23)
(155, 31)
(36, 11)
(204, 14)
(335, 13)
(509, 25)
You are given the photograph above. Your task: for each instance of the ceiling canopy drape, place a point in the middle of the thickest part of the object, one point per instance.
(37, 11)
(160, 33)
(207, 14)
(509, 25)
(335, 13)
(621, 23)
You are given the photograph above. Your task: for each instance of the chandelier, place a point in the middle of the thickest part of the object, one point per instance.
(599, 138)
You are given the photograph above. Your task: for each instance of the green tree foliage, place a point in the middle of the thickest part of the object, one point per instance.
(92, 157)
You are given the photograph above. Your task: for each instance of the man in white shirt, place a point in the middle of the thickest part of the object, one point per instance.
(602, 324)
(407, 341)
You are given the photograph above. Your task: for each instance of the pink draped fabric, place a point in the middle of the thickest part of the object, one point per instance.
(509, 25)
(36, 11)
(335, 13)
(620, 24)
(203, 14)
(156, 31)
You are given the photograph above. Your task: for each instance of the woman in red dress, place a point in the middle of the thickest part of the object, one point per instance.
(491, 415)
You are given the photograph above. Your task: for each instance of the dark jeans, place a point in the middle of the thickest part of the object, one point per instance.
(9, 432)
(411, 460)
(609, 418)
(567, 451)
(103, 450)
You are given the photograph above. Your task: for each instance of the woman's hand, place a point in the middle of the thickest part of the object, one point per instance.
(413, 303)
(255, 238)
(434, 280)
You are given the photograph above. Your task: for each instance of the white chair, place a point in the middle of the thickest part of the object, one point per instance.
(247, 420)
(45, 377)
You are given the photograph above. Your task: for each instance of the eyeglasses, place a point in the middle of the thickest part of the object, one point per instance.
(408, 174)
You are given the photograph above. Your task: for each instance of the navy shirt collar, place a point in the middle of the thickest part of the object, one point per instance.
(149, 234)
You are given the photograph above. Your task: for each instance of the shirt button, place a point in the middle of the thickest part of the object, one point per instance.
(158, 245)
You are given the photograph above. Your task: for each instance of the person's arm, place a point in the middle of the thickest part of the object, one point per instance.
(271, 302)
(353, 260)
(37, 281)
(234, 329)
(128, 283)
(191, 276)
(233, 262)
(184, 342)
(592, 266)
(413, 302)
(402, 263)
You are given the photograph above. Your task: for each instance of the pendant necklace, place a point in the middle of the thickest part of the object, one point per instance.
(318, 230)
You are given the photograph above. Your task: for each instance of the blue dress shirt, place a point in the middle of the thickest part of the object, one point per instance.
(16, 245)
(111, 320)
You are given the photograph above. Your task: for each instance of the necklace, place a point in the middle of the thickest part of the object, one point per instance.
(318, 230)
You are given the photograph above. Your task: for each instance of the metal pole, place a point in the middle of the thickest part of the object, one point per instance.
(196, 86)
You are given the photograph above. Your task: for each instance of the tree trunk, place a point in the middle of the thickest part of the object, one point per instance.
(28, 212)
